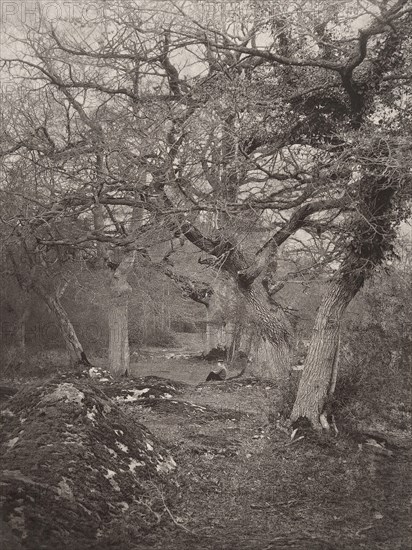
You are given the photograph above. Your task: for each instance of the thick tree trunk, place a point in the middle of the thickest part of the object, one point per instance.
(72, 343)
(119, 354)
(118, 314)
(274, 354)
(274, 326)
(320, 372)
(372, 238)
(120, 289)
(275, 330)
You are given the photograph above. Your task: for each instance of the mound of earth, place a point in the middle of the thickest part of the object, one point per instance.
(125, 389)
(157, 394)
(75, 467)
(133, 389)
(189, 409)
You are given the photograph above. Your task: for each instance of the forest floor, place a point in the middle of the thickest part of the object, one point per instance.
(244, 484)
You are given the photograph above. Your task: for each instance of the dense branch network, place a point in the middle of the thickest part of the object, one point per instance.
(219, 143)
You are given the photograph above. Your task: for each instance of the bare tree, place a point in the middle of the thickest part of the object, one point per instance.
(348, 81)
(248, 134)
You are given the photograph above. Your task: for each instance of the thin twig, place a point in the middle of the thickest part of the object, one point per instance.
(170, 513)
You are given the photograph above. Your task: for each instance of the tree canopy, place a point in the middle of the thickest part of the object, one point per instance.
(239, 130)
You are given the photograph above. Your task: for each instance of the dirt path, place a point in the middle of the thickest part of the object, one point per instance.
(244, 485)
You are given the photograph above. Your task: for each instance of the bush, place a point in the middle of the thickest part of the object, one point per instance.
(16, 365)
(184, 326)
(160, 339)
(375, 374)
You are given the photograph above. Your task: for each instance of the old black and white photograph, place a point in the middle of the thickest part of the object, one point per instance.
(206, 274)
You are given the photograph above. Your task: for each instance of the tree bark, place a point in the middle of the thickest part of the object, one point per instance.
(274, 352)
(119, 355)
(73, 346)
(318, 374)
(373, 235)
(120, 289)
(275, 330)
(29, 281)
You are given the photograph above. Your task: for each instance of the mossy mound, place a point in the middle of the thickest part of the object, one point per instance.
(128, 390)
(74, 466)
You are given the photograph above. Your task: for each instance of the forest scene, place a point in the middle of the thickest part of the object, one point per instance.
(206, 260)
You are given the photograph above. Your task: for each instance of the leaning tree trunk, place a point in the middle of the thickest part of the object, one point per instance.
(120, 290)
(72, 343)
(372, 237)
(314, 386)
(320, 372)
